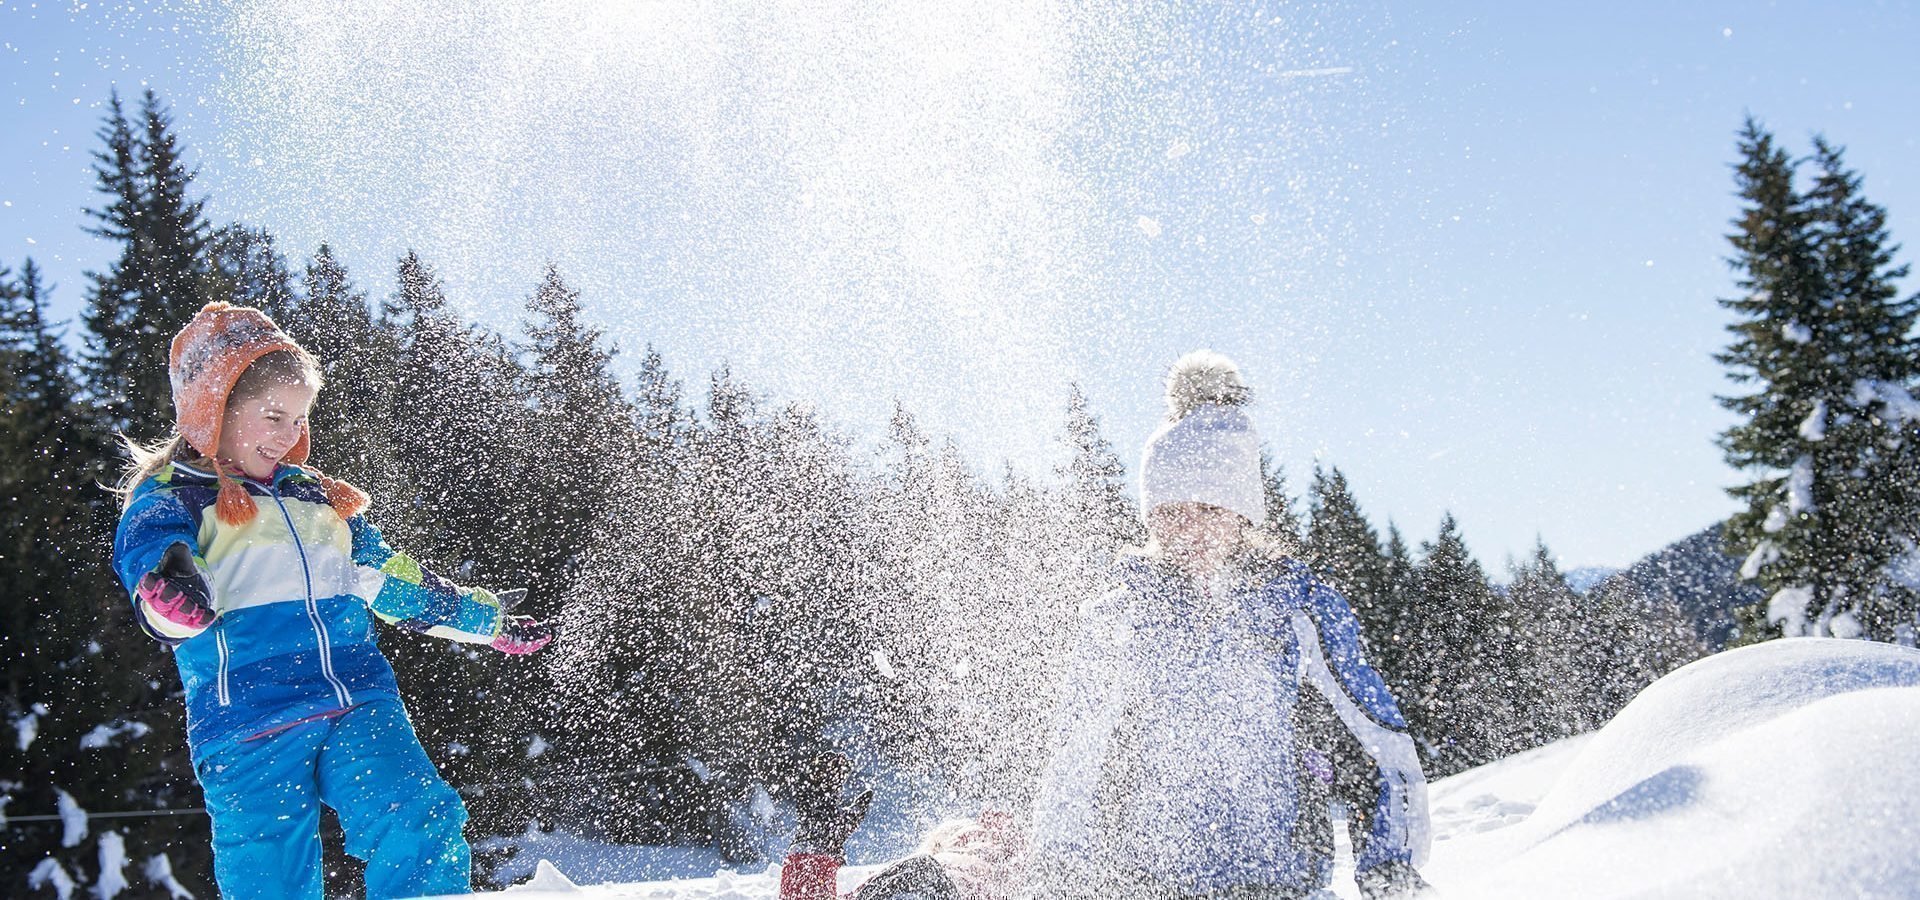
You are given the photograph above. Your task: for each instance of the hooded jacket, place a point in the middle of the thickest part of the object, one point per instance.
(295, 589)
(1177, 759)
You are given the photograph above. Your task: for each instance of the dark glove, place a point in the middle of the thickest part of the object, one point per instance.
(176, 591)
(826, 822)
(1393, 880)
(521, 635)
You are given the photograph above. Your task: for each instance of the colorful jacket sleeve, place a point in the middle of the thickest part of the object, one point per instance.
(399, 591)
(153, 522)
(1335, 663)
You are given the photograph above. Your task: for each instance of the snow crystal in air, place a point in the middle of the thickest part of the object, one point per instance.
(884, 665)
(1148, 226)
(537, 746)
(1179, 149)
(1796, 332)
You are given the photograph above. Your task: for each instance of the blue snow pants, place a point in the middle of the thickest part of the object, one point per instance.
(399, 816)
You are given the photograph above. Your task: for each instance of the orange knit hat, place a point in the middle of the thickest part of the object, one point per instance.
(207, 359)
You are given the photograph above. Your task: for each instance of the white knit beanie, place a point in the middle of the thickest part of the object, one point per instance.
(1208, 451)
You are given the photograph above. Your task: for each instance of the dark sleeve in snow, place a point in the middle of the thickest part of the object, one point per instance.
(153, 522)
(1383, 779)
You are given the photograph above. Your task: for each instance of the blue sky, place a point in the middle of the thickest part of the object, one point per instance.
(1468, 252)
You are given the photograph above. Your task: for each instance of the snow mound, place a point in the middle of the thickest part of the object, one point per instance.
(1785, 769)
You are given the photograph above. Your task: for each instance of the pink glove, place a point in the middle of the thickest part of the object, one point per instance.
(521, 635)
(176, 592)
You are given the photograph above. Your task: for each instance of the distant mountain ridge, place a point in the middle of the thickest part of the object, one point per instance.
(1697, 575)
(1586, 578)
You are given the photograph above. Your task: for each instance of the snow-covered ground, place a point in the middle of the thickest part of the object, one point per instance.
(1786, 769)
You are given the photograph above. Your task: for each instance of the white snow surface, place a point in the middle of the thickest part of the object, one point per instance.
(1781, 770)
(1784, 769)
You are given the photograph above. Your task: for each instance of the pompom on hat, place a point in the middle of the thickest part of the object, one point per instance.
(206, 360)
(1208, 451)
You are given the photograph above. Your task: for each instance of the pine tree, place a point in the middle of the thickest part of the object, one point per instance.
(161, 277)
(584, 423)
(1824, 339)
(351, 418)
(1344, 548)
(1553, 653)
(1283, 523)
(249, 270)
(1462, 659)
(113, 353)
(1389, 629)
(94, 702)
(1093, 494)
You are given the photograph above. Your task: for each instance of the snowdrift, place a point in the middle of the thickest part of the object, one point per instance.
(1788, 769)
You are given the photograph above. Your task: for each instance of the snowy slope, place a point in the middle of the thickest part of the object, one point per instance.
(1786, 769)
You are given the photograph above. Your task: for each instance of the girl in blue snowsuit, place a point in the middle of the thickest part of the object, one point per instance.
(264, 576)
(1179, 766)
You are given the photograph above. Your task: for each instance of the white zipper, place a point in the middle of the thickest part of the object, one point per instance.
(220, 684)
(313, 608)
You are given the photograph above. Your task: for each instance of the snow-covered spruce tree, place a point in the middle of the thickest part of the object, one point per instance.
(1461, 657)
(1827, 346)
(161, 277)
(1388, 638)
(627, 646)
(1556, 653)
(584, 425)
(91, 700)
(1344, 548)
(455, 496)
(1093, 491)
(1635, 640)
(1282, 521)
(249, 270)
(351, 418)
(1342, 544)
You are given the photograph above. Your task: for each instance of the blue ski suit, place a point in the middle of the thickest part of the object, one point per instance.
(1176, 762)
(290, 703)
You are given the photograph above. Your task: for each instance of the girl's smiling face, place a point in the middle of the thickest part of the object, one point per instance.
(259, 431)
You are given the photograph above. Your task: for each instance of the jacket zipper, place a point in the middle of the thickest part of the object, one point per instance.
(313, 607)
(220, 684)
